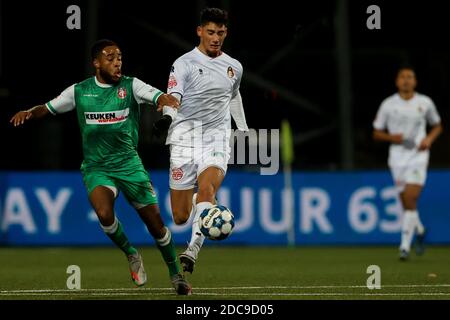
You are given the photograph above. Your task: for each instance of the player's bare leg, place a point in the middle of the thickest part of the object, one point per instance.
(102, 200)
(181, 202)
(411, 221)
(150, 215)
(208, 182)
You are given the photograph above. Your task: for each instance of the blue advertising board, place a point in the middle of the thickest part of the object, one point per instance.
(51, 208)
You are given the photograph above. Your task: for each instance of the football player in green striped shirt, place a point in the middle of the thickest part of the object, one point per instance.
(107, 107)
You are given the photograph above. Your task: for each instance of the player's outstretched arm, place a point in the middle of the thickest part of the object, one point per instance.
(34, 113)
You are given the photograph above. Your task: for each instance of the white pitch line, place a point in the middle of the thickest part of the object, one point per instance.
(221, 288)
(329, 294)
(303, 294)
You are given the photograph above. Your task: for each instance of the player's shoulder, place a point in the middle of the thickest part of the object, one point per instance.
(424, 98)
(86, 82)
(235, 62)
(186, 58)
(389, 101)
(127, 78)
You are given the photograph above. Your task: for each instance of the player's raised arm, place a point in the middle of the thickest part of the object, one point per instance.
(36, 112)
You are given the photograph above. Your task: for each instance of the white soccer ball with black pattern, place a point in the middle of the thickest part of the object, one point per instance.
(216, 223)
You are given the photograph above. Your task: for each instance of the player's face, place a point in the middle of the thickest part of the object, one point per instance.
(109, 64)
(406, 80)
(211, 38)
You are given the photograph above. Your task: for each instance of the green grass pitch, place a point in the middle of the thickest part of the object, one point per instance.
(229, 273)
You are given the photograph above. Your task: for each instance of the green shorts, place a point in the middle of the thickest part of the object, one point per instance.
(135, 184)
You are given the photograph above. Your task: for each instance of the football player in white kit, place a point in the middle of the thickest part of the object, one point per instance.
(405, 116)
(206, 81)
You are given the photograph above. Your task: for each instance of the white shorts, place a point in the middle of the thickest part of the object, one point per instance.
(187, 163)
(414, 174)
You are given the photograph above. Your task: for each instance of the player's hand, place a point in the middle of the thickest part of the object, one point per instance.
(425, 144)
(397, 138)
(20, 117)
(167, 100)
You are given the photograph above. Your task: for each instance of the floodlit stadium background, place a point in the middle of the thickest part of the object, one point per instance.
(313, 63)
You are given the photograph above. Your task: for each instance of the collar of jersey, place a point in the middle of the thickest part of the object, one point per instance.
(102, 85)
(206, 57)
(406, 101)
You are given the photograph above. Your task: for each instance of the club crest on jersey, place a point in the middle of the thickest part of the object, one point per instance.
(122, 92)
(420, 109)
(172, 82)
(230, 72)
(177, 174)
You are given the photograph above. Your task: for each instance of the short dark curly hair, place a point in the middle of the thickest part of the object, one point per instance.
(99, 45)
(215, 15)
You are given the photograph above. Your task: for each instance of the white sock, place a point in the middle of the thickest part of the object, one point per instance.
(408, 226)
(172, 112)
(419, 226)
(197, 236)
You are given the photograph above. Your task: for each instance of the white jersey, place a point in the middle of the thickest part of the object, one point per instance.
(409, 118)
(206, 86)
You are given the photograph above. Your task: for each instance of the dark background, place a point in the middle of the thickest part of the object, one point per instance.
(288, 49)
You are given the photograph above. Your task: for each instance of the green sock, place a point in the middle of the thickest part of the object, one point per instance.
(117, 235)
(168, 252)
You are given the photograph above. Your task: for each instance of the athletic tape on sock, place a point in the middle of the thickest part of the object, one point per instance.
(112, 228)
(164, 241)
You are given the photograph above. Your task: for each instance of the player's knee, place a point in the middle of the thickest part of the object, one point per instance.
(105, 216)
(180, 216)
(206, 193)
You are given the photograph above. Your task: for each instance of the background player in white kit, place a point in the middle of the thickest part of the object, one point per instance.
(206, 81)
(405, 115)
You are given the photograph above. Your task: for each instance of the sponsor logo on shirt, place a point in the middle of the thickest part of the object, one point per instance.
(177, 174)
(230, 72)
(172, 82)
(122, 92)
(109, 117)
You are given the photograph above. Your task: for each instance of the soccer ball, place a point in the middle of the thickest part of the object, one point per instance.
(216, 223)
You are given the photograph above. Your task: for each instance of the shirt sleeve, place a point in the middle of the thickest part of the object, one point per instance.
(380, 121)
(237, 84)
(145, 93)
(237, 112)
(65, 102)
(177, 78)
(432, 115)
